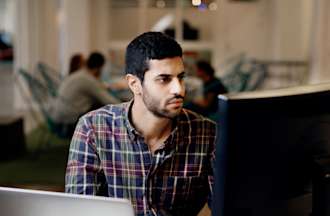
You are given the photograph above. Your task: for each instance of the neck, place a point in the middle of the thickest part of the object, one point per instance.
(149, 125)
(207, 78)
(155, 130)
(94, 72)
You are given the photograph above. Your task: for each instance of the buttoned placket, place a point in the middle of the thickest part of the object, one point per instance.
(158, 159)
(153, 161)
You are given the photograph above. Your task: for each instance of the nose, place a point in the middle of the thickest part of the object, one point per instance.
(177, 87)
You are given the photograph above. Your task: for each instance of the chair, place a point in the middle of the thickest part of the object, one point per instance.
(42, 97)
(51, 77)
(244, 75)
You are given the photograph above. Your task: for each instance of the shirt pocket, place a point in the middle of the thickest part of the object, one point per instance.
(173, 192)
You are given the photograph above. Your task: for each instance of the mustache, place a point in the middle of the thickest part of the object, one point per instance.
(175, 98)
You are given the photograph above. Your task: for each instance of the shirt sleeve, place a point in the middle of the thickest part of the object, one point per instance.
(211, 168)
(83, 172)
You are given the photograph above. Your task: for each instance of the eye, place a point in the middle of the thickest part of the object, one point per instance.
(164, 79)
(181, 77)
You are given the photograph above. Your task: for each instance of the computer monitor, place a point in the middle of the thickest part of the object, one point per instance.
(22, 202)
(265, 148)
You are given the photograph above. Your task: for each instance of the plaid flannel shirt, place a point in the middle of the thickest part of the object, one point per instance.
(108, 157)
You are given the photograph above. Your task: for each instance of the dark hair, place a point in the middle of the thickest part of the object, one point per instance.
(95, 60)
(206, 67)
(76, 62)
(148, 46)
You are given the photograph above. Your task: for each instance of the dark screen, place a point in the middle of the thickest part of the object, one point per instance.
(265, 152)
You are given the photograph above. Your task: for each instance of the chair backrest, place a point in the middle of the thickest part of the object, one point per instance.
(38, 90)
(43, 97)
(51, 77)
(40, 95)
(244, 75)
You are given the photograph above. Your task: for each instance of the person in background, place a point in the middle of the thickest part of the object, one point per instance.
(148, 150)
(212, 87)
(6, 49)
(80, 93)
(77, 62)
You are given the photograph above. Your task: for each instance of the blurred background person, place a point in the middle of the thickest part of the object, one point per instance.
(80, 93)
(77, 62)
(207, 105)
(6, 49)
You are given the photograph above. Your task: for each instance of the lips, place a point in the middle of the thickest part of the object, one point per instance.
(176, 102)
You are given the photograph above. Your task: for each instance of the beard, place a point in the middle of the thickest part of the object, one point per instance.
(154, 106)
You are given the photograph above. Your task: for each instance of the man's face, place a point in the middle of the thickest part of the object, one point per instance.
(163, 87)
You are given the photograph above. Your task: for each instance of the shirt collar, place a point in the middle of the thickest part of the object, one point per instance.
(132, 132)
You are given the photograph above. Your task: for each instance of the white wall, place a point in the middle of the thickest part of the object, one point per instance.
(37, 33)
(291, 28)
(74, 30)
(53, 30)
(99, 25)
(27, 44)
(307, 16)
(3, 7)
(7, 10)
(320, 46)
(243, 28)
(49, 33)
(265, 29)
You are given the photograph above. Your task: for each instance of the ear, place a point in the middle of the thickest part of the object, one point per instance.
(134, 84)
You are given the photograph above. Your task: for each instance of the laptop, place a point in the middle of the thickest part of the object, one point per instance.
(22, 202)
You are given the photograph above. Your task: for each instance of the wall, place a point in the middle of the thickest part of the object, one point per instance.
(268, 29)
(99, 25)
(291, 29)
(49, 33)
(74, 30)
(243, 28)
(320, 46)
(7, 10)
(264, 29)
(3, 7)
(6, 68)
(53, 30)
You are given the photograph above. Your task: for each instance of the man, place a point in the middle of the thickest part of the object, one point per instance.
(79, 93)
(149, 150)
(212, 87)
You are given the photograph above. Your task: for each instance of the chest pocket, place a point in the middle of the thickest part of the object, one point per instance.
(177, 192)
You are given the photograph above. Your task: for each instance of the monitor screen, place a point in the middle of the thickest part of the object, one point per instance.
(267, 142)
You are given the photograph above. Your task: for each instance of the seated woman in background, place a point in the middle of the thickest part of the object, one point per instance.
(212, 87)
(77, 62)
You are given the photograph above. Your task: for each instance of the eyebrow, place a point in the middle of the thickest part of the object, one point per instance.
(170, 75)
(182, 73)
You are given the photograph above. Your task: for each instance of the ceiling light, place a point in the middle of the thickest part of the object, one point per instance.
(196, 2)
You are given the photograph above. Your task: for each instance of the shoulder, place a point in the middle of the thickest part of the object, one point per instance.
(192, 116)
(80, 78)
(215, 82)
(195, 120)
(105, 116)
(216, 86)
(196, 132)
